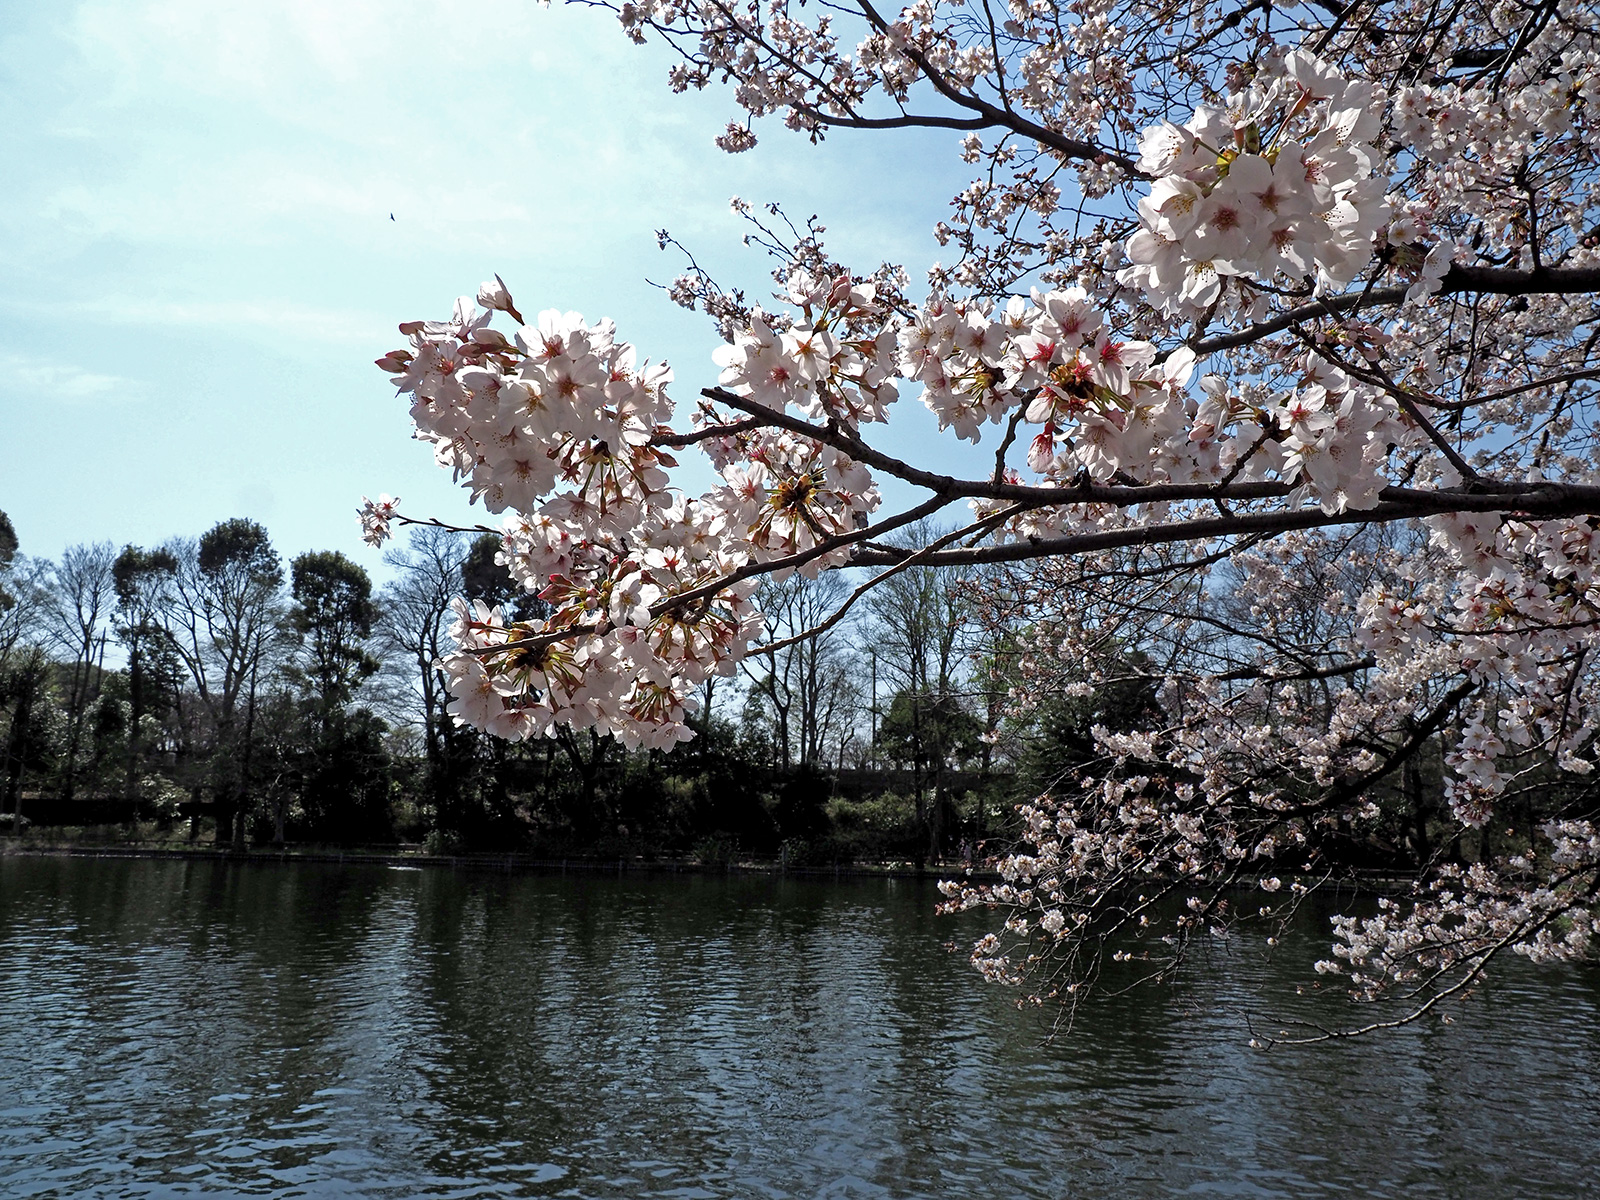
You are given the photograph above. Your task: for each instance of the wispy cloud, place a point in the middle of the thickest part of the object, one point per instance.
(344, 327)
(42, 381)
(326, 326)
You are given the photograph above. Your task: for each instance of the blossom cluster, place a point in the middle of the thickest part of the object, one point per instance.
(833, 361)
(1516, 622)
(1261, 758)
(559, 428)
(1279, 182)
(1466, 916)
(562, 430)
(376, 516)
(1113, 408)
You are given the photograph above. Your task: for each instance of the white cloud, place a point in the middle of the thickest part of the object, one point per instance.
(221, 127)
(331, 326)
(270, 199)
(35, 380)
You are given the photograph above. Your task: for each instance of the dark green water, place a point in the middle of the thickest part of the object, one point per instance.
(194, 1028)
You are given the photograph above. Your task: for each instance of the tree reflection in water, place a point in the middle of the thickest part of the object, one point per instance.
(204, 1028)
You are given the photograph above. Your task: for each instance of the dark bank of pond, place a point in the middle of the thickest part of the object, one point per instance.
(515, 860)
(205, 1028)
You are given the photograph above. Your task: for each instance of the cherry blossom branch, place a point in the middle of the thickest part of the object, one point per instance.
(1480, 963)
(1420, 733)
(708, 590)
(826, 546)
(1507, 393)
(1404, 397)
(1539, 499)
(1005, 446)
(1349, 668)
(1295, 316)
(677, 440)
(1068, 147)
(448, 527)
(1271, 171)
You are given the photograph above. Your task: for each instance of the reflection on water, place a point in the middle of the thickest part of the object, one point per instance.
(197, 1028)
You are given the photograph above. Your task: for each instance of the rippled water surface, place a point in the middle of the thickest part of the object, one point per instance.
(199, 1028)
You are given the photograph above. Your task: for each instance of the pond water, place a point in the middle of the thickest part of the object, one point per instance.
(193, 1028)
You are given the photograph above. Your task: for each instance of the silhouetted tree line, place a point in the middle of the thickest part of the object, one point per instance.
(206, 688)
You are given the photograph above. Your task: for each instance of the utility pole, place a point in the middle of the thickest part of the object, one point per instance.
(873, 653)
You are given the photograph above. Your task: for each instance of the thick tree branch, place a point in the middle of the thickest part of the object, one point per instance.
(1556, 501)
(1333, 672)
(1541, 281)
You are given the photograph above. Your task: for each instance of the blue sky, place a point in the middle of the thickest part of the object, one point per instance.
(198, 266)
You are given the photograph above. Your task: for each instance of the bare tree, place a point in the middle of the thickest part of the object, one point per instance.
(919, 626)
(78, 621)
(226, 617)
(414, 622)
(810, 684)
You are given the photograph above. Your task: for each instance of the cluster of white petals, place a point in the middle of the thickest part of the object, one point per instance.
(1278, 183)
(1260, 761)
(375, 517)
(560, 429)
(1107, 408)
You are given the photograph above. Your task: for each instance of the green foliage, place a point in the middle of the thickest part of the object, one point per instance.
(333, 615)
(871, 829)
(160, 797)
(884, 813)
(801, 812)
(240, 549)
(35, 730)
(1060, 744)
(484, 579)
(142, 580)
(924, 728)
(8, 554)
(347, 788)
(725, 790)
(715, 850)
(138, 575)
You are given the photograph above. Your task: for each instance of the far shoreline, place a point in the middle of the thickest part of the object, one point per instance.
(502, 862)
(590, 865)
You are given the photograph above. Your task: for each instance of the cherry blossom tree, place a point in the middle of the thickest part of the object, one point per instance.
(1231, 282)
